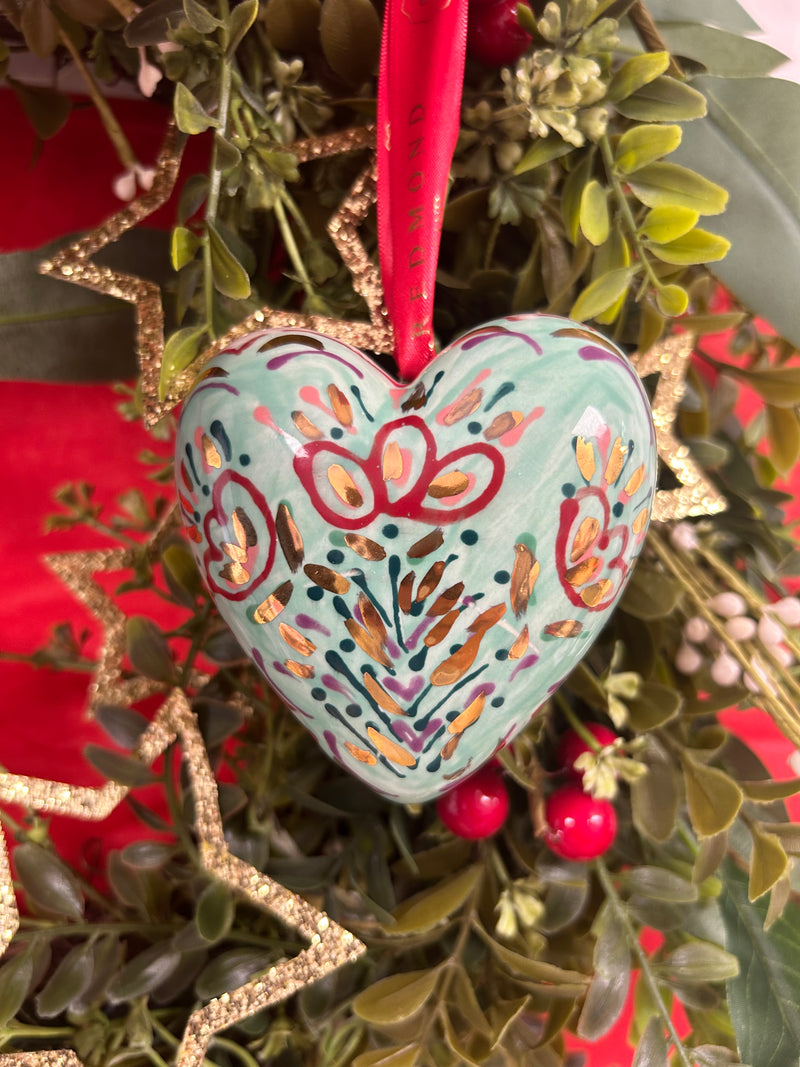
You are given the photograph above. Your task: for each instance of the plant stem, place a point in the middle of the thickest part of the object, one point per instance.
(291, 247)
(625, 209)
(644, 963)
(127, 156)
(215, 177)
(648, 33)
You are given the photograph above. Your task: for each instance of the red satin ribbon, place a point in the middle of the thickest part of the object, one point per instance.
(419, 106)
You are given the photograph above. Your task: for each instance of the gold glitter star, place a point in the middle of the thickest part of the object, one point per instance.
(75, 264)
(696, 495)
(329, 945)
(77, 570)
(375, 335)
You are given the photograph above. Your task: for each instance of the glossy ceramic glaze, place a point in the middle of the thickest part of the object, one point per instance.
(415, 568)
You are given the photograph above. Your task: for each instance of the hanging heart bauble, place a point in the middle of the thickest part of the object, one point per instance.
(415, 568)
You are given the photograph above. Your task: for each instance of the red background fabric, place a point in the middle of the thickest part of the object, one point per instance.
(54, 434)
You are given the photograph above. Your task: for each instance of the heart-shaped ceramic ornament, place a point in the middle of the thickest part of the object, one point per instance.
(415, 568)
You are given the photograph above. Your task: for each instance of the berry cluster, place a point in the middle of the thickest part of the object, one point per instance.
(579, 826)
(730, 609)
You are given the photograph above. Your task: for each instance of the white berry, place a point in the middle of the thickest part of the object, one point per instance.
(696, 629)
(769, 632)
(725, 670)
(688, 659)
(727, 605)
(787, 610)
(683, 537)
(741, 627)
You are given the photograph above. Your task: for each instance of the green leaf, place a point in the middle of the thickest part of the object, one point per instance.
(48, 881)
(777, 385)
(230, 277)
(572, 194)
(665, 224)
(594, 220)
(672, 300)
(664, 100)
(179, 351)
(350, 33)
(215, 911)
(764, 791)
(183, 245)
(635, 73)
(661, 884)
(654, 705)
(750, 141)
(15, 980)
(143, 973)
(231, 970)
(764, 999)
(654, 796)
(199, 17)
(650, 594)
(148, 650)
(119, 767)
(608, 990)
(241, 19)
(154, 23)
(696, 246)
(783, 435)
(713, 798)
(725, 13)
(397, 998)
(395, 1056)
(768, 861)
(190, 115)
(645, 144)
(47, 109)
(543, 150)
(651, 1050)
(537, 970)
(123, 725)
(723, 54)
(700, 961)
(602, 293)
(428, 909)
(181, 573)
(68, 982)
(670, 184)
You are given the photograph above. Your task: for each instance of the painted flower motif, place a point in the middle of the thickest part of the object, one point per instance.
(596, 541)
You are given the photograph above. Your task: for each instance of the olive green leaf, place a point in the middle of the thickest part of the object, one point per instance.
(350, 33)
(215, 911)
(426, 910)
(700, 961)
(180, 350)
(15, 980)
(46, 109)
(199, 17)
(764, 998)
(183, 245)
(765, 790)
(723, 54)
(664, 100)
(48, 881)
(230, 277)
(727, 14)
(190, 115)
(783, 435)
(713, 798)
(779, 386)
(608, 989)
(543, 150)
(768, 861)
(397, 998)
(148, 649)
(144, 972)
(395, 1056)
(240, 20)
(68, 982)
(119, 767)
(661, 884)
(651, 1050)
(655, 796)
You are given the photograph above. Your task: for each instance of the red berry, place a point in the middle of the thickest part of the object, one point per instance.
(494, 35)
(476, 807)
(580, 827)
(573, 745)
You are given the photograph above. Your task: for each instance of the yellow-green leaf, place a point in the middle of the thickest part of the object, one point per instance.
(636, 72)
(543, 150)
(397, 998)
(713, 798)
(594, 219)
(664, 224)
(395, 1056)
(426, 910)
(602, 293)
(179, 351)
(645, 144)
(696, 246)
(230, 277)
(183, 245)
(190, 115)
(609, 256)
(777, 385)
(672, 300)
(765, 790)
(199, 17)
(768, 861)
(671, 185)
(241, 19)
(572, 194)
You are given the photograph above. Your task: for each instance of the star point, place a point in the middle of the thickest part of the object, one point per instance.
(696, 495)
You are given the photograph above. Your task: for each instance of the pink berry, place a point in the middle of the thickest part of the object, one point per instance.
(573, 745)
(494, 35)
(579, 827)
(476, 807)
